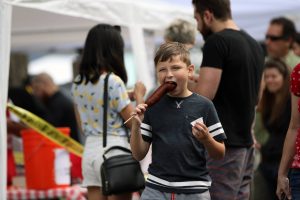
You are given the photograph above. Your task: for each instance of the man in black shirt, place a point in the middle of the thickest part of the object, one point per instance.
(59, 109)
(230, 75)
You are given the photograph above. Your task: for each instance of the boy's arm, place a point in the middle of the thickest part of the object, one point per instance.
(215, 149)
(138, 146)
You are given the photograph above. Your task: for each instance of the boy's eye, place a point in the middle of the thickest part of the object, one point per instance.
(176, 67)
(162, 70)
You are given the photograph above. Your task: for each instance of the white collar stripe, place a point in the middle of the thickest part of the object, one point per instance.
(146, 133)
(152, 178)
(146, 127)
(215, 126)
(217, 132)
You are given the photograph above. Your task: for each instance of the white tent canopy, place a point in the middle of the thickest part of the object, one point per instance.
(66, 21)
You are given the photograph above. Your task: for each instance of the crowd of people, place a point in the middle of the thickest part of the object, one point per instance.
(203, 144)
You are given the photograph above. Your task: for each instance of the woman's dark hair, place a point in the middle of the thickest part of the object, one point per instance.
(271, 107)
(103, 52)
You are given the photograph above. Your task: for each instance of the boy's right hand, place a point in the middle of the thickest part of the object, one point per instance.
(139, 113)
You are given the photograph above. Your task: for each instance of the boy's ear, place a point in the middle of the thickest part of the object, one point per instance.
(191, 69)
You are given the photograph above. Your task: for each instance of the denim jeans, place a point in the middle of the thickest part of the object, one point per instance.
(295, 184)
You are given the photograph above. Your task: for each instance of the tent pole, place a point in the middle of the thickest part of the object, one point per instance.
(144, 72)
(5, 34)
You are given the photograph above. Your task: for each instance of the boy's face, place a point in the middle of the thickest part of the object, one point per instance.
(177, 71)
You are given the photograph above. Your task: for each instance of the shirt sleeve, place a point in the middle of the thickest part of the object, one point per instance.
(146, 129)
(295, 81)
(214, 125)
(214, 52)
(117, 93)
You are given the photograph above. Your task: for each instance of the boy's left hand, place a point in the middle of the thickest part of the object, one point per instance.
(200, 131)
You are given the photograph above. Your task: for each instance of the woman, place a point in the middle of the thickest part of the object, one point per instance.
(290, 187)
(275, 109)
(103, 53)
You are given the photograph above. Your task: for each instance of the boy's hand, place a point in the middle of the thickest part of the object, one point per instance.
(139, 113)
(200, 131)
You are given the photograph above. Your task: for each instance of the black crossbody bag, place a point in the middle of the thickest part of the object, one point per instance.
(120, 173)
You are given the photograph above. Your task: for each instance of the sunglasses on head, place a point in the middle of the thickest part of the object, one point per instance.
(275, 38)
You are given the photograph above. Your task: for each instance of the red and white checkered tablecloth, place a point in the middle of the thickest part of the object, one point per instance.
(69, 193)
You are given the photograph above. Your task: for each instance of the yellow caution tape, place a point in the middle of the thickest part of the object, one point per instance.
(18, 157)
(47, 130)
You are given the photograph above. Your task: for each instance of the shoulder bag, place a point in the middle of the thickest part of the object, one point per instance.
(120, 173)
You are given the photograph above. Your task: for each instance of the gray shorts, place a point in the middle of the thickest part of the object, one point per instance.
(152, 194)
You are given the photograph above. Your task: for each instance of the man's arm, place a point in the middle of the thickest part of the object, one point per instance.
(208, 82)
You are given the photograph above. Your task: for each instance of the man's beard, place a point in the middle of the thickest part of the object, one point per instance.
(206, 31)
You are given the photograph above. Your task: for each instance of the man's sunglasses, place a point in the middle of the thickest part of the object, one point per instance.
(276, 38)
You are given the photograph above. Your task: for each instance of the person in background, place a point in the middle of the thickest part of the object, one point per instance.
(182, 127)
(103, 53)
(184, 32)
(23, 97)
(289, 184)
(59, 108)
(181, 31)
(59, 113)
(230, 75)
(275, 111)
(296, 44)
(279, 39)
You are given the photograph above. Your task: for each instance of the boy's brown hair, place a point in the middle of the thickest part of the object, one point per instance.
(170, 49)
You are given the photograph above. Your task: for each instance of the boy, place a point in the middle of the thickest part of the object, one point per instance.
(180, 126)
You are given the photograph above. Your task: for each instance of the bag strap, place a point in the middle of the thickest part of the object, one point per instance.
(114, 148)
(105, 105)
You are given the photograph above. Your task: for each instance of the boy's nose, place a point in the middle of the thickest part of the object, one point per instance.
(169, 73)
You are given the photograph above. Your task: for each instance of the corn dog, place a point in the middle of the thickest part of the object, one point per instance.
(159, 92)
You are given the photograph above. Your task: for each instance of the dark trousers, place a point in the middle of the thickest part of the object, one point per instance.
(231, 176)
(295, 183)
